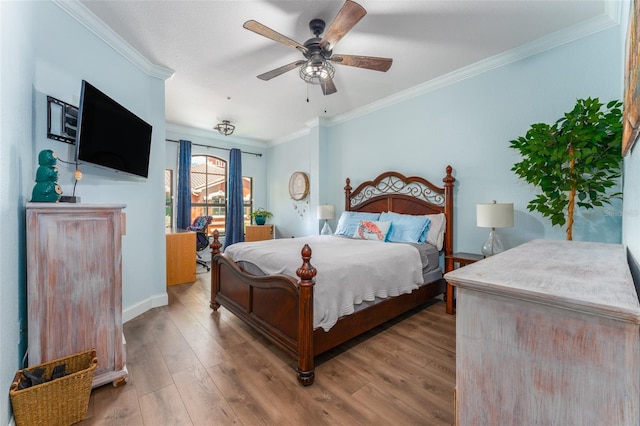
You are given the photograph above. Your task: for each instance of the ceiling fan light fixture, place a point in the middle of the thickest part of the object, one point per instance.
(316, 72)
(225, 128)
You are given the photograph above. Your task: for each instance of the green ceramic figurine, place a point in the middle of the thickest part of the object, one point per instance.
(46, 189)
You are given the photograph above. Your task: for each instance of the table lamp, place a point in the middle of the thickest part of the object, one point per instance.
(494, 215)
(326, 212)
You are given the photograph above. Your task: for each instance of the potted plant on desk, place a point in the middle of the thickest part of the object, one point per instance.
(261, 215)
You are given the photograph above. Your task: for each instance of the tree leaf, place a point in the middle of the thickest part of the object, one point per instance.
(581, 151)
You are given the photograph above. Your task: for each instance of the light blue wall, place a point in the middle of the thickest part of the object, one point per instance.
(293, 219)
(17, 70)
(60, 75)
(252, 165)
(46, 52)
(469, 125)
(631, 211)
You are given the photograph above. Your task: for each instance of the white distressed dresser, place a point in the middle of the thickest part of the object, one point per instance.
(547, 333)
(74, 285)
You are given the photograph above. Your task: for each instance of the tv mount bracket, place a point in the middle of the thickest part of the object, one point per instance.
(62, 121)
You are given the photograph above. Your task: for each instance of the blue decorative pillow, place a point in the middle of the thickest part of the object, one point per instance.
(406, 228)
(371, 230)
(349, 221)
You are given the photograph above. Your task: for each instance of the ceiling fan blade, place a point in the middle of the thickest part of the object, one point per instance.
(368, 62)
(280, 70)
(267, 32)
(328, 87)
(348, 16)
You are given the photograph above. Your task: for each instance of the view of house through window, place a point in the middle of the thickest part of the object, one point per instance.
(247, 192)
(208, 191)
(168, 198)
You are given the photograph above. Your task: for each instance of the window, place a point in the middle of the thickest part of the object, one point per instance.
(168, 198)
(208, 189)
(247, 195)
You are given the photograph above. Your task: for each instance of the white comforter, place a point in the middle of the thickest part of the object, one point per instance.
(350, 271)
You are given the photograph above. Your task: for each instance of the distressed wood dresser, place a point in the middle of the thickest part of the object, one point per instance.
(547, 333)
(74, 285)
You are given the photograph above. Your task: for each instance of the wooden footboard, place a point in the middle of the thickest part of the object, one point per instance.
(278, 306)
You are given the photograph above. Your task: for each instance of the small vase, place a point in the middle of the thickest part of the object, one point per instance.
(260, 220)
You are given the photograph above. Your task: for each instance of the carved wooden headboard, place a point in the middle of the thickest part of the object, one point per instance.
(394, 192)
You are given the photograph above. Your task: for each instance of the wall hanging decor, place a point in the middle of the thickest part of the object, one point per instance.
(298, 191)
(631, 122)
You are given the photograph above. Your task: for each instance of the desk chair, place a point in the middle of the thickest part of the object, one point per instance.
(199, 226)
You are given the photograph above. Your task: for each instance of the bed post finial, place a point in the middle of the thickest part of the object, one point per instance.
(216, 244)
(306, 272)
(347, 195)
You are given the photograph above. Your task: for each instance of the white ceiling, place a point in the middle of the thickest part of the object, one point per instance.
(216, 60)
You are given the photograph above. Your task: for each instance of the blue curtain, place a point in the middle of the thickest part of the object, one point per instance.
(183, 218)
(235, 208)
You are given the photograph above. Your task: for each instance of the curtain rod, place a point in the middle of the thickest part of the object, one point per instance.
(257, 154)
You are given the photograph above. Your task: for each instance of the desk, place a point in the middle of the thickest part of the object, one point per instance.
(258, 232)
(181, 256)
(464, 259)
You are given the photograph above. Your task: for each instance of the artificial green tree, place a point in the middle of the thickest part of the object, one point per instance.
(575, 161)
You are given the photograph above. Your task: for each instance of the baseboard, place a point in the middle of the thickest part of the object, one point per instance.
(140, 308)
(12, 421)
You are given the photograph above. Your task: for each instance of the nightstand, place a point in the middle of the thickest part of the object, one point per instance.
(258, 232)
(462, 259)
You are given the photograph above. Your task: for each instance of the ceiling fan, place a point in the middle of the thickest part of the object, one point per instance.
(317, 66)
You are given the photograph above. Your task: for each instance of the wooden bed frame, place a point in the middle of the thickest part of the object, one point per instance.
(281, 307)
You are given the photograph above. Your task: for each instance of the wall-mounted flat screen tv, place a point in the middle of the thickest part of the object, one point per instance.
(111, 136)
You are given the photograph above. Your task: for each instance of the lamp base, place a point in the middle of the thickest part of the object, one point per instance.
(326, 229)
(493, 245)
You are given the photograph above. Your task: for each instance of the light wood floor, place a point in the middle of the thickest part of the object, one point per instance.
(191, 366)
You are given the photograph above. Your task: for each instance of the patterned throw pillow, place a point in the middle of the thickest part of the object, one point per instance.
(349, 221)
(370, 230)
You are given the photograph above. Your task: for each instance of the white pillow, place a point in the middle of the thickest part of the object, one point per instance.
(435, 235)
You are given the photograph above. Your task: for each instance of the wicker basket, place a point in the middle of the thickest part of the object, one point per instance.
(62, 401)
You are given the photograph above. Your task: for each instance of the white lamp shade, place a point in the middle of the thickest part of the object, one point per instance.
(494, 215)
(326, 211)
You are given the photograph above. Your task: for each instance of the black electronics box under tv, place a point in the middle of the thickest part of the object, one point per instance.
(69, 199)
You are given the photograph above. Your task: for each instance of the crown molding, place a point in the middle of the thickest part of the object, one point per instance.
(609, 19)
(89, 20)
(213, 135)
(613, 9)
(291, 136)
